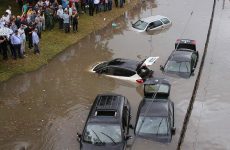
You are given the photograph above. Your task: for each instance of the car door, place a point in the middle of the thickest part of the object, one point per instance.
(157, 25)
(122, 74)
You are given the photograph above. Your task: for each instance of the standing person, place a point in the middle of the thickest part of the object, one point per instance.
(25, 8)
(38, 21)
(91, 7)
(75, 21)
(3, 47)
(83, 4)
(30, 30)
(66, 19)
(36, 41)
(16, 42)
(60, 16)
(116, 3)
(96, 5)
(76, 3)
(110, 4)
(70, 11)
(22, 34)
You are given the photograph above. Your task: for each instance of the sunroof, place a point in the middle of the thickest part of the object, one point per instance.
(105, 113)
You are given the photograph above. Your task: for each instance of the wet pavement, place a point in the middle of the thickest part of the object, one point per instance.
(209, 124)
(46, 108)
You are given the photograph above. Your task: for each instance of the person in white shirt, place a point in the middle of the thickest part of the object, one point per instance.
(96, 5)
(16, 42)
(60, 16)
(22, 34)
(36, 41)
(6, 18)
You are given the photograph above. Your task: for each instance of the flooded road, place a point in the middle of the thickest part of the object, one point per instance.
(45, 109)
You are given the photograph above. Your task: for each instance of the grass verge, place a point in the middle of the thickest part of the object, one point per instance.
(55, 41)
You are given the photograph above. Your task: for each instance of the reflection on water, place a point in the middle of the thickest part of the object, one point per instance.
(44, 109)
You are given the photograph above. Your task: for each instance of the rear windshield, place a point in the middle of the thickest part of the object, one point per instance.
(153, 88)
(141, 25)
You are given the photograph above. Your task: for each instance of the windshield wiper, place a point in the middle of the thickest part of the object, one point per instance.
(100, 142)
(159, 125)
(109, 137)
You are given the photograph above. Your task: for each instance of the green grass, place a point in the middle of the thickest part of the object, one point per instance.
(52, 44)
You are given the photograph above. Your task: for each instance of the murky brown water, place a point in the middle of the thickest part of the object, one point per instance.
(45, 109)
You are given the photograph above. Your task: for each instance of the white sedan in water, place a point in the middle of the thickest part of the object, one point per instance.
(151, 23)
(126, 69)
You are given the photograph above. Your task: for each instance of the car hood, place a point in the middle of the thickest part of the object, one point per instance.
(177, 74)
(161, 139)
(86, 146)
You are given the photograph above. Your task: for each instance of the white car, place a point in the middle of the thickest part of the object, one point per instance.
(126, 69)
(151, 23)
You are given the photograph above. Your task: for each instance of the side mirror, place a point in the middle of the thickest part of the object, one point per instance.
(79, 137)
(173, 130)
(161, 68)
(128, 137)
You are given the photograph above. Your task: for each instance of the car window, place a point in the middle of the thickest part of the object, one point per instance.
(157, 23)
(165, 20)
(122, 72)
(152, 125)
(141, 25)
(153, 88)
(178, 66)
(194, 59)
(102, 133)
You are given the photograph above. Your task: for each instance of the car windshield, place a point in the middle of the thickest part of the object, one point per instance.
(178, 66)
(141, 25)
(153, 88)
(152, 125)
(102, 133)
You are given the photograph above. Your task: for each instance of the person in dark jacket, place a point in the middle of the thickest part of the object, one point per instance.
(3, 47)
(91, 7)
(75, 21)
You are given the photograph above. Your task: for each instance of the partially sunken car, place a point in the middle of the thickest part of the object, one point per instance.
(107, 126)
(155, 116)
(151, 23)
(126, 69)
(183, 60)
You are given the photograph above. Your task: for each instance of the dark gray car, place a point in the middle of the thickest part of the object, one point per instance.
(107, 126)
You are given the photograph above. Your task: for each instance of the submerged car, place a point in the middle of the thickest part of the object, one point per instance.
(155, 116)
(126, 69)
(107, 125)
(151, 23)
(183, 60)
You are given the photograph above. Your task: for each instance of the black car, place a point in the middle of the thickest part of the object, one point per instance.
(155, 116)
(155, 120)
(107, 126)
(183, 60)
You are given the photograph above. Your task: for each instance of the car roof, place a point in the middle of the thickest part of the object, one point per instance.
(124, 63)
(107, 108)
(153, 18)
(156, 107)
(181, 55)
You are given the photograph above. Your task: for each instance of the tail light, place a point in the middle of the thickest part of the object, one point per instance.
(139, 80)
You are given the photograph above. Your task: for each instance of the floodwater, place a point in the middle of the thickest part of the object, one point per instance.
(209, 124)
(46, 108)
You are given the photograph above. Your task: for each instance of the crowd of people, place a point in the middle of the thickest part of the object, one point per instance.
(40, 15)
